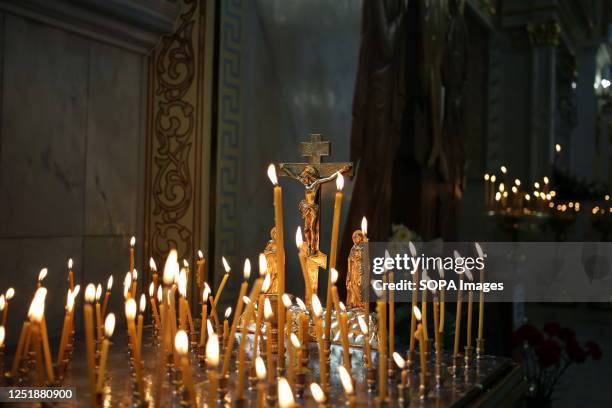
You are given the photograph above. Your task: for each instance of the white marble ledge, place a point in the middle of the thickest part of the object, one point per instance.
(135, 25)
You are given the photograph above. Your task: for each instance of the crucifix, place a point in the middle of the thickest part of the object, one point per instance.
(312, 175)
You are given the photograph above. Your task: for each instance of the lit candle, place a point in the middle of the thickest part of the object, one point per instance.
(134, 282)
(109, 327)
(130, 315)
(318, 395)
(25, 330)
(347, 384)
(153, 271)
(415, 291)
(132, 244)
(142, 306)
(269, 315)
(294, 344)
(239, 305)
(260, 370)
(65, 328)
(480, 302)
(201, 264)
(204, 315)
(10, 292)
(36, 313)
(317, 310)
(285, 395)
(458, 316)
(486, 189)
(70, 274)
(333, 253)
(343, 320)
(419, 334)
(154, 305)
(243, 335)
(391, 317)
(401, 364)
(260, 306)
(127, 286)
(225, 334)
(90, 296)
(109, 287)
(99, 322)
(181, 344)
(41, 276)
(227, 268)
(437, 329)
(381, 309)
(212, 362)
(299, 243)
(365, 330)
(280, 259)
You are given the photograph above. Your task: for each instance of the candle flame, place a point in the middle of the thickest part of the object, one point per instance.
(70, 263)
(42, 274)
(109, 325)
(170, 267)
(209, 327)
(246, 300)
(417, 312)
(295, 341)
(345, 378)
(363, 325)
(493, 178)
(182, 283)
(412, 249)
(504, 169)
(212, 350)
(340, 182)
(272, 174)
(90, 293)
(37, 307)
(200, 254)
(151, 290)
(334, 276)
(246, 270)
(298, 237)
(341, 306)
(205, 293)
(185, 263)
(401, 363)
(181, 342)
(134, 275)
(286, 300)
(317, 393)
(316, 306)
(98, 292)
(364, 226)
(300, 303)
(152, 265)
(469, 275)
(159, 294)
(69, 301)
(130, 309)
(132, 241)
(260, 368)
(143, 303)
(228, 312)
(263, 264)
(2, 335)
(109, 283)
(527, 197)
(266, 283)
(10, 293)
(285, 395)
(487, 177)
(558, 148)
(226, 265)
(517, 182)
(268, 313)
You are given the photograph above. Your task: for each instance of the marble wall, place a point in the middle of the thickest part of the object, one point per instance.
(71, 160)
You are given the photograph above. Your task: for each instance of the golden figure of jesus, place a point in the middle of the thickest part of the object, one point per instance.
(309, 208)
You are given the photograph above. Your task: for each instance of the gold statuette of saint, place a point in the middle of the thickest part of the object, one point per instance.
(355, 274)
(271, 259)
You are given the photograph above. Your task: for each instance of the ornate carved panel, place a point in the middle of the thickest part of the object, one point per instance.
(178, 149)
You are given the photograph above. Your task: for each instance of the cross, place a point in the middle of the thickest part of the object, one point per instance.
(315, 149)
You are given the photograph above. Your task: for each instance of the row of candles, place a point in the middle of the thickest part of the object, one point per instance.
(174, 328)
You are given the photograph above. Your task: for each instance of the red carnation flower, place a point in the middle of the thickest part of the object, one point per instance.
(575, 352)
(530, 334)
(552, 329)
(549, 353)
(593, 349)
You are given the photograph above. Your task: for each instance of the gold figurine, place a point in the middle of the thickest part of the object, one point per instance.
(355, 274)
(270, 253)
